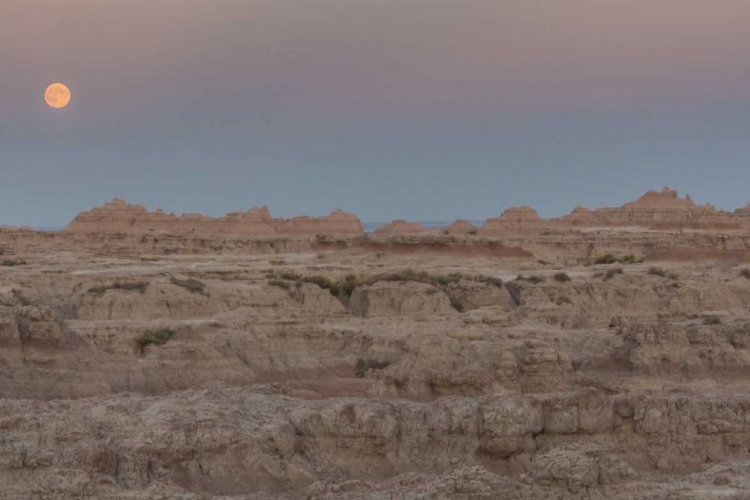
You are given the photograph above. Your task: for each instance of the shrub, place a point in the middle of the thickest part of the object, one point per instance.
(543, 262)
(365, 365)
(348, 285)
(322, 282)
(607, 258)
(564, 300)
(562, 277)
(192, 285)
(612, 272)
(290, 276)
(673, 275)
(446, 279)
(279, 283)
(657, 271)
(13, 263)
(745, 273)
(472, 232)
(629, 259)
(712, 320)
(132, 286)
(535, 279)
(156, 337)
(488, 280)
(445, 231)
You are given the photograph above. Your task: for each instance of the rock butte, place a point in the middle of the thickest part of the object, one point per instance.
(150, 356)
(119, 216)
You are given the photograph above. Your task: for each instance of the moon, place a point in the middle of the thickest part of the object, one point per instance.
(57, 95)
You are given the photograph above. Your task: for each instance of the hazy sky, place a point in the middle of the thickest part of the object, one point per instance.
(416, 109)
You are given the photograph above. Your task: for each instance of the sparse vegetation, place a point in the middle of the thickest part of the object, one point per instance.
(562, 277)
(279, 283)
(543, 262)
(535, 279)
(132, 286)
(156, 337)
(192, 285)
(365, 365)
(745, 273)
(629, 259)
(564, 299)
(657, 271)
(290, 276)
(608, 258)
(612, 272)
(277, 262)
(489, 280)
(472, 232)
(598, 274)
(712, 320)
(673, 275)
(13, 263)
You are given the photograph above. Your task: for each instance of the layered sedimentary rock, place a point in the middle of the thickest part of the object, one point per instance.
(514, 220)
(118, 216)
(662, 210)
(461, 226)
(401, 226)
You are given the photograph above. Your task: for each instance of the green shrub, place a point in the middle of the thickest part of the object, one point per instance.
(192, 285)
(657, 271)
(279, 283)
(607, 258)
(13, 263)
(131, 286)
(365, 365)
(156, 337)
(562, 277)
(535, 279)
(444, 280)
(673, 275)
(712, 320)
(612, 272)
(745, 273)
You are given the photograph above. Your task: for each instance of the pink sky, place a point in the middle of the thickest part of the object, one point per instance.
(531, 53)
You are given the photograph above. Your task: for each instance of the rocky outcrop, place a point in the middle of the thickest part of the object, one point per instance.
(516, 220)
(399, 298)
(118, 216)
(460, 227)
(656, 210)
(400, 226)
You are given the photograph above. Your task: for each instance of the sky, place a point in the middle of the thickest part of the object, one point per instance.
(413, 109)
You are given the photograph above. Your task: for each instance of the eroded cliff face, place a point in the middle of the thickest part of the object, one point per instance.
(663, 210)
(355, 373)
(118, 216)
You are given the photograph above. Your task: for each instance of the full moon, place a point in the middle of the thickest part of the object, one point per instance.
(57, 95)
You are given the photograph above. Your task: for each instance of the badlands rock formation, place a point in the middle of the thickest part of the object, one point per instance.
(663, 210)
(238, 364)
(118, 216)
(460, 227)
(401, 226)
